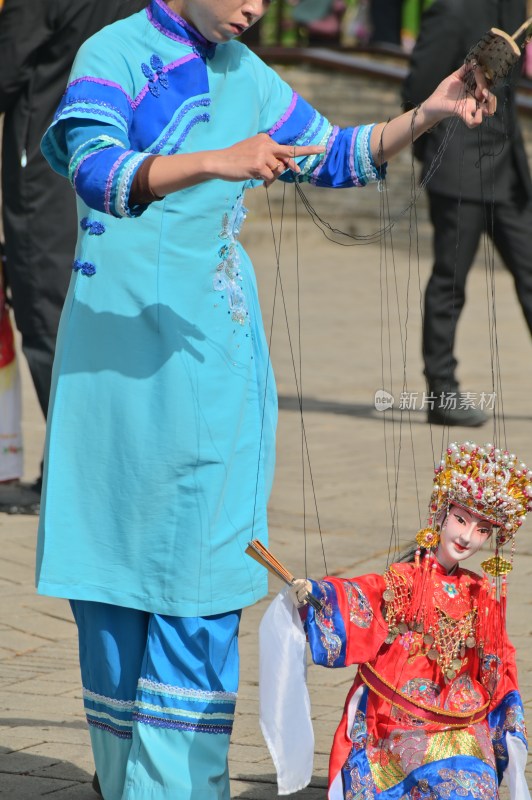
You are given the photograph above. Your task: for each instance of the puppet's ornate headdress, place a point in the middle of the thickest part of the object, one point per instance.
(488, 482)
(492, 484)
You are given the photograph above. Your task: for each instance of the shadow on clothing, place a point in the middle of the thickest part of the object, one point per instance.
(133, 346)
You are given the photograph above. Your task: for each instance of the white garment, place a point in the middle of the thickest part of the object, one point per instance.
(514, 773)
(284, 703)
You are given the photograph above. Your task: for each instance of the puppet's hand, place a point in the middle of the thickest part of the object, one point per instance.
(299, 592)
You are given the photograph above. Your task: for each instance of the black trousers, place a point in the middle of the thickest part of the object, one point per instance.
(386, 21)
(458, 227)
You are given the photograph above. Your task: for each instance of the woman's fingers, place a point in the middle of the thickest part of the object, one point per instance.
(261, 157)
(289, 154)
(285, 156)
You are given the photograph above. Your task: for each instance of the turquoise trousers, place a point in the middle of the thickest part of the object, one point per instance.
(159, 695)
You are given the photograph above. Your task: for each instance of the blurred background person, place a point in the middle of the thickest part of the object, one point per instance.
(322, 20)
(411, 20)
(482, 185)
(10, 400)
(386, 21)
(38, 42)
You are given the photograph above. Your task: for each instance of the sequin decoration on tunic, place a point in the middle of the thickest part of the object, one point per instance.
(228, 277)
(360, 611)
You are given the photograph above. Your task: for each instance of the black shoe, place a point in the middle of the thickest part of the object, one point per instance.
(19, 498)
(96, 785)
(447, 409)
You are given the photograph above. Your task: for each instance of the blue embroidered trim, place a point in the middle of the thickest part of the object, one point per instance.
(200, 695)
(507, 718)
(112, 702)
(109, 729)
(94, 227)
(85, 267)
(175, 27)
(199, 727)
(193, 121)
(123, 185)
(205, 101)
(315, 118)
(92, 101)
(87, 149)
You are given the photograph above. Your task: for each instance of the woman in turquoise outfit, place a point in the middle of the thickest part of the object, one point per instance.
(160, 446)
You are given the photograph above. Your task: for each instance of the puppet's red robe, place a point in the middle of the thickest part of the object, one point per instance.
(412, 729)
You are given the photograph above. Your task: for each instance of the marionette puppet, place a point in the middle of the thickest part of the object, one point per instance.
(434, 710)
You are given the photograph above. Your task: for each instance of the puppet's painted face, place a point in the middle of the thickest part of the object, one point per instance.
(220, 20)
(462, 535)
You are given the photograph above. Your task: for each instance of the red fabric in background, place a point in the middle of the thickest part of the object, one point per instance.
(7, 340)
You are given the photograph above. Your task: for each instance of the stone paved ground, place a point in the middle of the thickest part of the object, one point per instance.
(345, 292)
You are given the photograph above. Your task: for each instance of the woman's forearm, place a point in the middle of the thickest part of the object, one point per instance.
(257, 158)
(389, 138)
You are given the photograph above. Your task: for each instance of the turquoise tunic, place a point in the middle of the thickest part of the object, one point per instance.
(161, 432)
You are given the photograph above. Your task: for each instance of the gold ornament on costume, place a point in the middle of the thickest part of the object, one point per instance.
(428, 538)
(486, 481)
(496, 566)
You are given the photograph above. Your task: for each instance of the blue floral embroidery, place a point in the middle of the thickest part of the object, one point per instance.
(450, 588)
(330, 641)
(85, 267)
(228, 276)
(94, 227)
(157, 69)
(467, 784)
(490, 672)
(360, 611)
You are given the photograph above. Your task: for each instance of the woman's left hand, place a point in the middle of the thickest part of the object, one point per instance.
(463, 94)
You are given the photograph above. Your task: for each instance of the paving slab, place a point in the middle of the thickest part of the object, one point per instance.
(360, 459)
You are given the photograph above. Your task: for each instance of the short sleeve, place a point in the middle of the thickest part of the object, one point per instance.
(89, 138)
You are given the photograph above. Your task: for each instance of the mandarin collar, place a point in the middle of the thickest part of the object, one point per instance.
(177, 28)
(441, 570)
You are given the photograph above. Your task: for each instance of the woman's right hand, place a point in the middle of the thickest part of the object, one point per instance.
(299, 591)
(260, 158)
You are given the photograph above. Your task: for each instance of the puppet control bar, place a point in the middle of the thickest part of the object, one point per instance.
(497, 51)
(256, 550)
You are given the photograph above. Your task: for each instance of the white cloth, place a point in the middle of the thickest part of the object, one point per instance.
(284, 703)
(515, 771)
